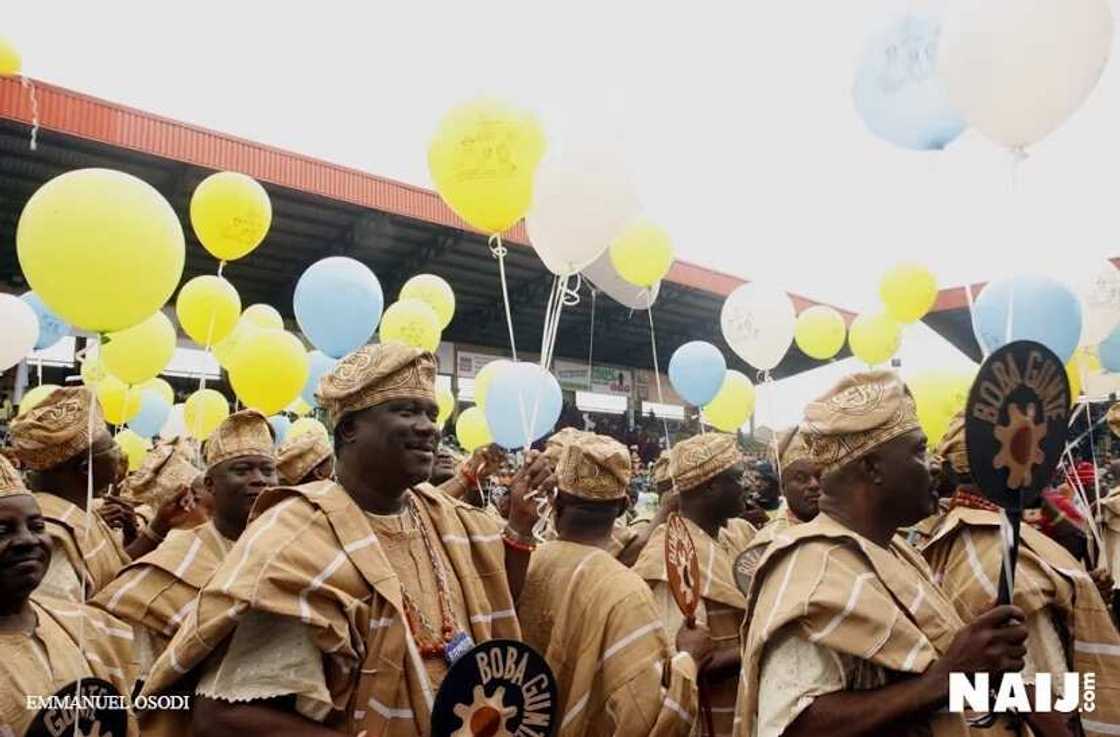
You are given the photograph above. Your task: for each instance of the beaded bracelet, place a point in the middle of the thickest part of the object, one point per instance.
(515, 541)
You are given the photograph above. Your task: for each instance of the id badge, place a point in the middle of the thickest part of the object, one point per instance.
(459, 646)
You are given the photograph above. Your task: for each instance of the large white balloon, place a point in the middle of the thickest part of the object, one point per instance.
(1017, 69)
(176, 425)
(606, 279)
(758, 322)
(20, 331)
(1099, 292)
(581, 201)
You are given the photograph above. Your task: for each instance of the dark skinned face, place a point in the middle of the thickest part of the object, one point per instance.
(396, 441)
(801, 484)
(236, 484)
(444, 467)
(25, 549)
(725, 494)
(903, 468)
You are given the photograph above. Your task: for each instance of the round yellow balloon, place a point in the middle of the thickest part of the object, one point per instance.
(11, 63)
(231, 214)
(908, 292)
(227, 350)
(411, 322)
(305, 425)
(263, 316)
(299, 408)
(269, 371)
(642, 254)
(102, 248)
(160, 387)
(874, 338)
(119, 402)
(733, 404)
(203, 411)
(446, 401)
(482, 160)
(483, 379)
(135, 448)
(93, 371)
(820, 332)
(208, 308)
(32, 398)
(472, 429)
(140, 352)
(433, 291)
(1074, 371)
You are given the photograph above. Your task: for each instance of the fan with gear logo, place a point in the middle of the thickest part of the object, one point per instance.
(1020, 441)
(485, 716)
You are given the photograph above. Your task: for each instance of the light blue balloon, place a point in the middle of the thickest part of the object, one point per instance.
(280, 425)
(696, 372)
(153, 414)
(338, 303)
(897, 90)
(523, 404)
(1109, 351)
(52, 328)
(1042, 309)
(318, 364)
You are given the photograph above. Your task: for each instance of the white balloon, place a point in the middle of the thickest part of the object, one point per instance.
(1099, 292)
(605, 278)
(758, 322)
(20, 331)
(176, 425)
(1017, 69)
(581, 201)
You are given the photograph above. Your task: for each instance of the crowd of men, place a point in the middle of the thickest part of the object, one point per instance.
(328, 585)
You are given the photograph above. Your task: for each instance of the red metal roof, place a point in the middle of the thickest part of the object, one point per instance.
(73, 113)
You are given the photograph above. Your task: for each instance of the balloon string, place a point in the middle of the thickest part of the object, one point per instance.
(1095, 508)
(972, 321)
(39, 362)
(591, 342)
(84, 573)
(1079, 489)
(657, 381)
(30, 87)
(499, 252)
(771, 393)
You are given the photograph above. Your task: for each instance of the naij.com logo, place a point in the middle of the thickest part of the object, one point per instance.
(1011, 693)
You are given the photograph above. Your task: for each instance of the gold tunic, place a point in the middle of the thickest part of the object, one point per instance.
(83, 546)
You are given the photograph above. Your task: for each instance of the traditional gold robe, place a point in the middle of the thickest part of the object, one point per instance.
(826, 586)
(596, 623)
(83, 547)
(70, 642)
(310, 556)
(966, 556)
(722, 606)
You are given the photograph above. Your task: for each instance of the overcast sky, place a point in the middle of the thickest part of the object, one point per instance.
(737, 119)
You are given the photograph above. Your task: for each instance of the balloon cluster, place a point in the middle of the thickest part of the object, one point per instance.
(699, 374)
(526, 409)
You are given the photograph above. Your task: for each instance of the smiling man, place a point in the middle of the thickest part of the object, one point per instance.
(343, 605)
(48, 644)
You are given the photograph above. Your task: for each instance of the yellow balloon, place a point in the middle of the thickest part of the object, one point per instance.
(482, 381)
(299, 408)
(119, 402)
(263, 316)
(939, 395)
(11, 63)
(411, 322)
(102, 248)
(305, 425)
(32, 398)
(434, 291)
(93, 371)
(269, 371)
(733, 404)
(160, 387)
(231, 214)
(472, 429)
(908, 292)
(482, 159)
(446, 401)
(820, 332)
(874, 338)
(135, 448)
(204, 411)
(226, 350)
(1073, 371)
(208, 308)
(642, 254)
(140, 352)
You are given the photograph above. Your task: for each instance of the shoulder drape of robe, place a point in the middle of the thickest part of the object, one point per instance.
(89, 544)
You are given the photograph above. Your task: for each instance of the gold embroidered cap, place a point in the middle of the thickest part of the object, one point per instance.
(375, 374)
(57, 429)
(11, 483)
(791, 449)
(660, 471)
(953, 448)
(244, 433)
(863, 411)
(699, 459)
(594, 467)
(170, 466)
(555, 445)
(299, 456)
